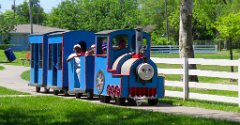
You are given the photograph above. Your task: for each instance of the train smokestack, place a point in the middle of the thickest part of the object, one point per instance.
(139, 39)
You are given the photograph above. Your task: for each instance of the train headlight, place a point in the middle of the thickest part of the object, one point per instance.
(145, 71)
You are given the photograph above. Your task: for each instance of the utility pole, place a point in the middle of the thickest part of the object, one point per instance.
(14, 8)
(166, 14)
(30, 15)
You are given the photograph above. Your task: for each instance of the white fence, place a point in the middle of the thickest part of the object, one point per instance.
(175, 49)
(185, 84)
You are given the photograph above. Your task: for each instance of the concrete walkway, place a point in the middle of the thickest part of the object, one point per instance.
(10, 78)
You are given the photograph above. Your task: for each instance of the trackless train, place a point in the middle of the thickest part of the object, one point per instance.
(119, 66)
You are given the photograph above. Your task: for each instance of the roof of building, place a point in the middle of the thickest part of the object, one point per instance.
(37, 29)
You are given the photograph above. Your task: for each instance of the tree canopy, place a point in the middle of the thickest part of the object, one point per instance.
(39, 16)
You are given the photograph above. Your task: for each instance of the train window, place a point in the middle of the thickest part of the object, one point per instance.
(83, 46)
(32, 55)
(143, 44)
(101, 45)
(40, 56)
(50, 54)
(60, 56)
(120, 42)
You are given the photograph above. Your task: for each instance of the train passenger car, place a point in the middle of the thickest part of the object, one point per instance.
(85, 84)
(123, 68)
(60, 47)
(38, 61)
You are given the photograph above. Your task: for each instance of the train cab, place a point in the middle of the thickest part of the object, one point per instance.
(38, 60)
(60, 46)
(123, 68)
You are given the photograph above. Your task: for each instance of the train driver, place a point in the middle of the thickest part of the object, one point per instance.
(76, 55)
(122, 44)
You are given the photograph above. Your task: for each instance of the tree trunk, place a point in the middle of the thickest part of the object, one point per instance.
(185, 33)
(231, 53)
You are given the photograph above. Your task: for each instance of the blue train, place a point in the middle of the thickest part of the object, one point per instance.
(113, 64)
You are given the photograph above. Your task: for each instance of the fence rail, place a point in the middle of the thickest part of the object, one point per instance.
(186, 84)
(175, 49)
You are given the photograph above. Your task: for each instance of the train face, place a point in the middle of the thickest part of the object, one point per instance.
(123, 68)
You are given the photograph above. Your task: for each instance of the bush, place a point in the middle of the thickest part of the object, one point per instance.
(159, 40)
(5, 46)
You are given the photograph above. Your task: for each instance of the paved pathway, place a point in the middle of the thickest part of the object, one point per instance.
(10, 78)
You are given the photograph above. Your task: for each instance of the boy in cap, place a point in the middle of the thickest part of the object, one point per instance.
(76, 55)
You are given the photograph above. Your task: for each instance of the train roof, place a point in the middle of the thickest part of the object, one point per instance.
(106, 32)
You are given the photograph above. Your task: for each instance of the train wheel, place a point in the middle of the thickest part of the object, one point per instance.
(38, 89)
(131, 101)
(119, 101)
(55, 92)
(78, 95)
(65, 92)
(152, 102)
(89, 95)
(46, 90)
(105, 99)
(101, 98)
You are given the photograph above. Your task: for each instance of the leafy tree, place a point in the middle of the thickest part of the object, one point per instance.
(94, 15)
(7, 24)
(65, 15)
(37, 12)
(153, 13)
(229, 29)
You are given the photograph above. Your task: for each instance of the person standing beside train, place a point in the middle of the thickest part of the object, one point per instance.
(76, 55)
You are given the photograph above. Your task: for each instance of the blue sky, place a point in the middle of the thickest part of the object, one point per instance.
(46, 4)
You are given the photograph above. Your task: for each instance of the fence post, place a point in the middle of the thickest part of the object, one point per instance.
(185, 79)
(239, 82)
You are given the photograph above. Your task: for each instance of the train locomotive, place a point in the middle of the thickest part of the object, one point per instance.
(119, 69)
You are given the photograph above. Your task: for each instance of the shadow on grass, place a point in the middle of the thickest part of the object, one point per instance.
(4, 62)
(58, 111)
(96, 116)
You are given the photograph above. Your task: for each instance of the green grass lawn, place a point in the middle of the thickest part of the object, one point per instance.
(219, 55)
(18, 62)
(1, 68)
(56, 111)
(202, 104)
(26, 75)
(202, 79)
(205, 91)
(5, 91)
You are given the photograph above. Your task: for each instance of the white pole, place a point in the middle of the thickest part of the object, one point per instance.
(185, 79)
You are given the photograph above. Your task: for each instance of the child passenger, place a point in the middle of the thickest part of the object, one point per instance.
(76, 55)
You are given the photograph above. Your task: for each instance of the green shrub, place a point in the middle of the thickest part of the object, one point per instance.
(5, 46)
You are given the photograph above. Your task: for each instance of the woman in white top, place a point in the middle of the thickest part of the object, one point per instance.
(76, 55)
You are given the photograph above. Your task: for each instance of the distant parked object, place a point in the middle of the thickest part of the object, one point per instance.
(173, 49)
(9, 54)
